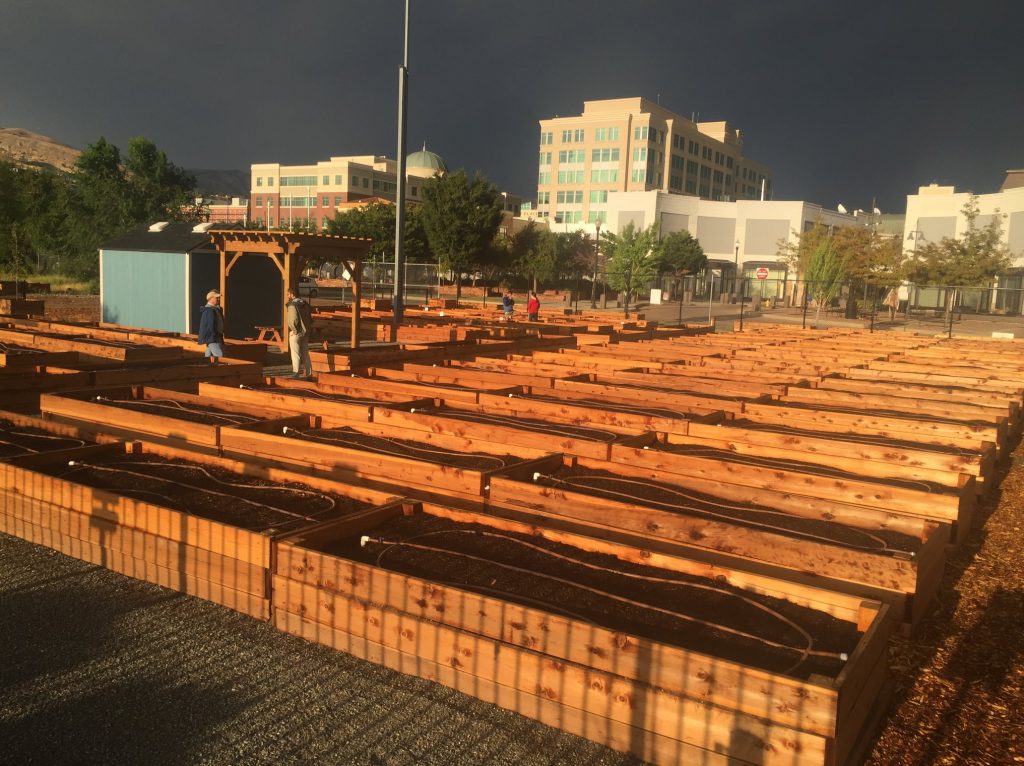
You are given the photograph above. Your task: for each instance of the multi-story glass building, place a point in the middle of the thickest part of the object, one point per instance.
(632, 144)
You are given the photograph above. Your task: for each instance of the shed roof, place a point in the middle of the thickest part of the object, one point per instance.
(173, 238)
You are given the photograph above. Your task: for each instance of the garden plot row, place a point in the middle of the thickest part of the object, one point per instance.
(340, 359)
(871, 538)
(105, 331)
(198, 524)
(667, 657)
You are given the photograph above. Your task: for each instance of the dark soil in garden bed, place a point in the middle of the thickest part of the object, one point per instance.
(508, 569)
(23, 440)
(676, 498)
(406, 448)
(523, 424)
(208, 491)
(15, 350)
(869, 439)
(188, 411)
(700, 451)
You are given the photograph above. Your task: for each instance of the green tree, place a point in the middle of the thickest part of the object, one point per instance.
(541, 254)
(634, 258)
(824, 276)
(970, 260)
(460, 218)
(158, 189)
(681, 254)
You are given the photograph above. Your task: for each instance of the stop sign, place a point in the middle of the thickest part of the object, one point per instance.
(762, 273)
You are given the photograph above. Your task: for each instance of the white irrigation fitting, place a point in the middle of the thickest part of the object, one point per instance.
(72, 462)
(487, 487)
(284, 430)
(440, 313)
(511, 395)
(412, 410)
(844, 656)
(647, 446)
(536, 475)
(363, 541)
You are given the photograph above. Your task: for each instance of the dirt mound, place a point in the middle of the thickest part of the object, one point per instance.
(24, 147)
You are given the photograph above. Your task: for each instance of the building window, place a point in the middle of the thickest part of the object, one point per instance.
(270, 182)
(692, 168)
(570, 177)
(566, 136)
(415, 191)
(705, 171)
(694, 148)
(599, 134)
(337, 201)
(545, 158)
(327, 201)
(571, 156)
(546, 138)
(599, 196)
(641, 133)
(613, 134)
(355, 180)
(718, 176)
(543, 198)
(578, 135)
(706, 152)
(327, 180)
(366, 183)
(728, 162)
(259, 180)
(270, 221)
(594, 216)
(270, 201)
(705, 190)
(544, 179)
(570, 197)
(376, 184)
(259, 202)
(297, 181)
(691, 187)
(639, 155)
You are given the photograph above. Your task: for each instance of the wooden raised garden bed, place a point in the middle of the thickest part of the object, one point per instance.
(155, 413)
(641, 652)
(901, 567)
(197, 524)
(382, 454)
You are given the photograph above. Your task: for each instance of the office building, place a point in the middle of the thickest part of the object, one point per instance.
(282, 194)
(635, 145)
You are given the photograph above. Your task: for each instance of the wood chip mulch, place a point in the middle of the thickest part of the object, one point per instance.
(959, 682)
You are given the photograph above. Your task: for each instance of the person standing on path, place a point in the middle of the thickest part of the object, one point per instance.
(299, 322)
(507, 305)
(211, 327)
(533, 307)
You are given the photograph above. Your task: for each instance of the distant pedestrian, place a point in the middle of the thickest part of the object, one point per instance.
(300, 326)
(211, 327)
(533, 307)
(892, 302)
(507, 306)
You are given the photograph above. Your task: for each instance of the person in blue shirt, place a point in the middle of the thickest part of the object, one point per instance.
(211, 327)
(507, 305)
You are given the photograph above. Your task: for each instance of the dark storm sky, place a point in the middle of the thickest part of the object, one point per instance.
(845, 101)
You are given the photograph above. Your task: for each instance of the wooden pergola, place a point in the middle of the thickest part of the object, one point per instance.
(290, 252)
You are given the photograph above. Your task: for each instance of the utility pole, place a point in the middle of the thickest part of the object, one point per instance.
(397, 307)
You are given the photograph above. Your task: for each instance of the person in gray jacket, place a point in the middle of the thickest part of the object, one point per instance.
(299, 323)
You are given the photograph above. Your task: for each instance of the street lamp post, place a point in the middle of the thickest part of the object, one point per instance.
(597, 253)
(269, 200)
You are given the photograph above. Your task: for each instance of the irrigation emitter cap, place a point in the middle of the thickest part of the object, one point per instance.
(536, 475)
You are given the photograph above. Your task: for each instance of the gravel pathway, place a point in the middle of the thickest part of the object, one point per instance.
(96, 668)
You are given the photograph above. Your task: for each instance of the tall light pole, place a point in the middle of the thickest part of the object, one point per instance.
(403, 99)
(269, 201)
(597, 253)
(736, 268)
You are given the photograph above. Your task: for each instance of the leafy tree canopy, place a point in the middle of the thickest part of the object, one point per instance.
(634, 258)
(681, 253)
(970, 260)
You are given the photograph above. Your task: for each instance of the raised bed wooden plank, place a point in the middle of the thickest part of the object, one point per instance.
(968, 436)
(948, 410)
(860, 503)
(873, 574)
(140, 569)
(549, 441)
(143, 546)
(367, 386)
(100, 407)
(337, 595)
(648, 393)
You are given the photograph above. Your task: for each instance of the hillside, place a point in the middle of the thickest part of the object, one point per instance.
(23, 147)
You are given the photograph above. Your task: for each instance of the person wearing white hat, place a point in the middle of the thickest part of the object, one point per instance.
(211, 327)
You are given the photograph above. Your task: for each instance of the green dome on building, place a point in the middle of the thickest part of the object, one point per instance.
(426, 159)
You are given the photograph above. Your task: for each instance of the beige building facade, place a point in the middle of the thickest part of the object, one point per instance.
(282, 194)
(936, 212)
(632, 144)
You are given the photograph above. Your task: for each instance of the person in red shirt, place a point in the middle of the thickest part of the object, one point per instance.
(533, 307)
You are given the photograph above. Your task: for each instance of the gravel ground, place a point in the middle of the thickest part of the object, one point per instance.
(96, 668)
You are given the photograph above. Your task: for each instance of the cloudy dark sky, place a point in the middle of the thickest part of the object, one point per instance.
(845, 101)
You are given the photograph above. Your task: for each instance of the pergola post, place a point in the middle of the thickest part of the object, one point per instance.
(357, 294)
